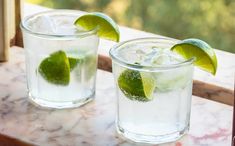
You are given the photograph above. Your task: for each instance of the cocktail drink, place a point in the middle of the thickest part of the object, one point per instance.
(61, 60)
(156, 108)
(61, 55)
(154, 89)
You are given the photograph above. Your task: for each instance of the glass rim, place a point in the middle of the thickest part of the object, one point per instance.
(24, 27)
(147, 67)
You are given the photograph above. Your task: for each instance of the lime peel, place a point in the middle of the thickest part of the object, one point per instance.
(205, 57)
(105, 25)
(136, 86)
(55, 68)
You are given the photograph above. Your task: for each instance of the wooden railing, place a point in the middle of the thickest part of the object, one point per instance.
(9, 141)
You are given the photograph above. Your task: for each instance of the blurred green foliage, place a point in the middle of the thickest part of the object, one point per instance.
(209, 20)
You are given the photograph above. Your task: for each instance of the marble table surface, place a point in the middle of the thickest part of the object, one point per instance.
(94, 123)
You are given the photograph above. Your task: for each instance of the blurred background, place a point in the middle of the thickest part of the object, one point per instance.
(209, 20)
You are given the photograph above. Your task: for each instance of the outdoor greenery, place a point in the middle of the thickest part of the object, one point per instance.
(209, 20)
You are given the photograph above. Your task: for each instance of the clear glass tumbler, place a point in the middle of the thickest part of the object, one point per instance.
(61, 59)
(154, 90)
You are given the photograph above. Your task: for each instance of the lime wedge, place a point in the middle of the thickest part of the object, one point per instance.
(136, 86)
(107, 28)
(55, 68)
(203, 53)
(73, 62)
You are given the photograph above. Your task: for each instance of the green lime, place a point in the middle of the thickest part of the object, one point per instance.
(73, 62)
(55, 68)
(107, 28)
(203, 53)
(136, 86)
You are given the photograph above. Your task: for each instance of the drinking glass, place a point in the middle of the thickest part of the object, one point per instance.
(154, 90)
(61, 59)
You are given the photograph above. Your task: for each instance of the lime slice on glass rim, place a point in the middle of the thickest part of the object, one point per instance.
(136, 85)
(203, 53)
(57, 67)
(140, 86)
(105, 25)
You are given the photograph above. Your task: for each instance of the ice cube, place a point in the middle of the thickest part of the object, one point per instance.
(148, 57)
(166, 57)
(140, 52)
(65, 26)
(43, 24)
(173, 79)
(161, 60)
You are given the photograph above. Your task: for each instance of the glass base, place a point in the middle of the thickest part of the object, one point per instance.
(149, 139)
(60, 105)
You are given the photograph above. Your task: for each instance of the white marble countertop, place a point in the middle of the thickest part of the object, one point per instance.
(92, 124)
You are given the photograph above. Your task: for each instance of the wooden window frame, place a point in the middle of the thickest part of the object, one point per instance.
(10, 34)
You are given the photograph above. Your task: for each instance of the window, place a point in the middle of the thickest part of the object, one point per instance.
(212, 21)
